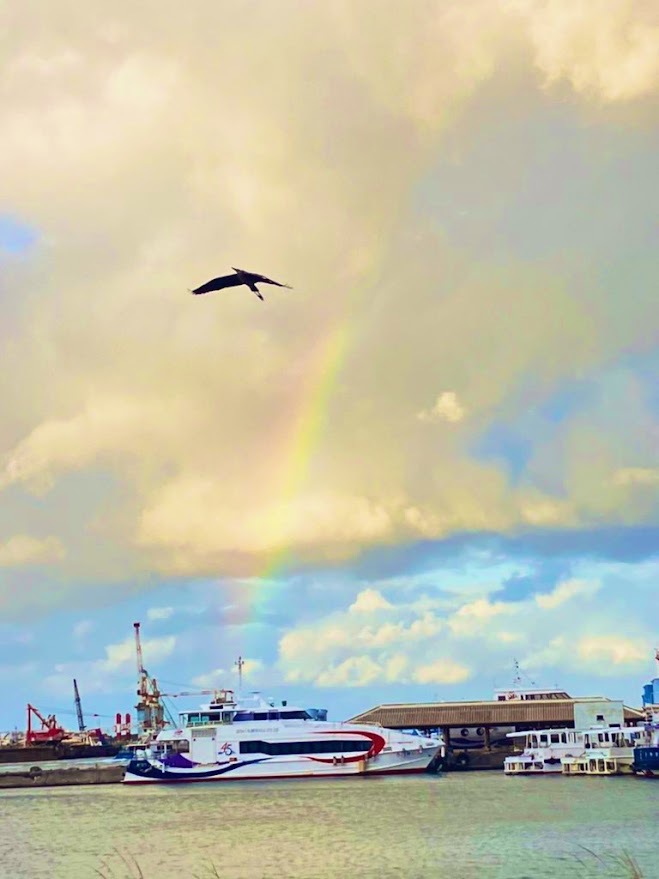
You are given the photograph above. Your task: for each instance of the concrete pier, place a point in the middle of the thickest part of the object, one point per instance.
(461, 760)
(38, 777)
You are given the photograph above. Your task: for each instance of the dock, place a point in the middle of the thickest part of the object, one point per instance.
(35, 776)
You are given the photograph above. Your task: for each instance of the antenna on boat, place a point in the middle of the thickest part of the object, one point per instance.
(518, 676)
(517, 680)
(239, 663)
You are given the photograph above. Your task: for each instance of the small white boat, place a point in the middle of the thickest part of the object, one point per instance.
(229, 740)
(543, 750)
(597, 751)
(606, 752)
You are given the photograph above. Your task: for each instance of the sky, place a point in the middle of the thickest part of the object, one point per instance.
(436, 455)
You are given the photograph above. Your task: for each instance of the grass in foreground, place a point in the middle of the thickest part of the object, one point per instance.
(624, 864)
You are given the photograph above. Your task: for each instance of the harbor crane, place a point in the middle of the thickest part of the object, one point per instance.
(76, 695)
(150, 708)
(51, 733)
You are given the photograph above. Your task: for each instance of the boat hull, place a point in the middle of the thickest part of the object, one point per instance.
(614, 762)
(646, 761)
(264, 769)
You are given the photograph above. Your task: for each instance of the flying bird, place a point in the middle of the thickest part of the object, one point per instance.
(250, 279)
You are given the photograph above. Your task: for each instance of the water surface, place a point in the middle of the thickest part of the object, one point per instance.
(468, 825)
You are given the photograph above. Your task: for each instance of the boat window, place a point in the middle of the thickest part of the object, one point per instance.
(332, 746)
(243, 715)
(261, 715)
(294, 715)
(555, 738)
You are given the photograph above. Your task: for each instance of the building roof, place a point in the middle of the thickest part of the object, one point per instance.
(458, 714)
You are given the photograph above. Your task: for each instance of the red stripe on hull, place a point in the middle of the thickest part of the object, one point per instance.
(415, 770)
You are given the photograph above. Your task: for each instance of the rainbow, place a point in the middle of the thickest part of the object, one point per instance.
(295, 448)
(302, 440)
(293, 451)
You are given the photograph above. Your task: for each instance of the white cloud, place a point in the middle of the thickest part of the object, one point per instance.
(369, 600)
(121, 655)
(442, 671)
(194, 515)
(220, 678)
(21, 549)
(105, 428)
(113, 373)
(159, 613)
(476, 617)
(448, 638)
(215, 679)
(118, 663)
(357, 671)
(447, 407)
(82, 628)
(637, 476)
(603, 651)
(567, 590)
(373, 639)
(608, 49)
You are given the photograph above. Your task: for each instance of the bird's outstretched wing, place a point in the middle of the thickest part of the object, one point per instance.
(261, 279)
(218, 284)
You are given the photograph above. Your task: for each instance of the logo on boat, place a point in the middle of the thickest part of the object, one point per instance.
(226, 749)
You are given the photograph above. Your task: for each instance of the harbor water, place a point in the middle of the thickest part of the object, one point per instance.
(479, 825)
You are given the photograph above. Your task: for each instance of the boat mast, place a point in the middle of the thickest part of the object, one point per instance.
(239, 663)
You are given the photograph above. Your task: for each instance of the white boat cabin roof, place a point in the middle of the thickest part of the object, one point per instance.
(526, 695)
(224, 708)
(595, 730)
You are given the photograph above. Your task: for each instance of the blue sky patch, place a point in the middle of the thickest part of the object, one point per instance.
(15, 236)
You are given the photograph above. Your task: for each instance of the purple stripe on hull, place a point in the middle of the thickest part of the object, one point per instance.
(150, 773)
(223, 777)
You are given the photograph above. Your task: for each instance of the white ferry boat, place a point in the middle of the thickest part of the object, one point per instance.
(596, 751)
(544, 750)
(606, 752)
(229, 740)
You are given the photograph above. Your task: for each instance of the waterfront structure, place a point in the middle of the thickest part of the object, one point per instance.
(229, 740)
(488, 723)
